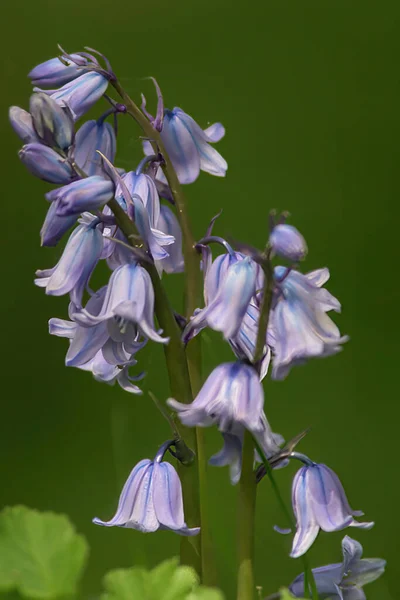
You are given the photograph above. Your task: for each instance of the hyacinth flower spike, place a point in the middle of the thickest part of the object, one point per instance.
(319, 502)
(343, 581)
(151, 499)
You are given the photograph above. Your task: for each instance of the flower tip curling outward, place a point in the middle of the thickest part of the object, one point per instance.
(150, 500)
(287, 242)
(343, 581)
(319, 502)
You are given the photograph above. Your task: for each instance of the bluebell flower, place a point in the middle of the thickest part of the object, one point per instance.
(85, 194)
(343, 581)
(319, 502)
(21, 122)
(46, 164)
(80, 94)
(151, 499)
(188, 146)
(299, 324)
(142, 185)
(54, 73)
(168, 224)
(287, 242)
(93, 136)
(231, 396)
(75, 267)
(227, 308)
(54, 226)
(54, 125)
(231, 452)
(129, 299)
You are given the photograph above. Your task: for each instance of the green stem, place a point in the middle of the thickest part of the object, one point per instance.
(308, 574)
(193, 300)
(246, 522)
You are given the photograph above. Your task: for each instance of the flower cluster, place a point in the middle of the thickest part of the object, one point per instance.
(273, 316)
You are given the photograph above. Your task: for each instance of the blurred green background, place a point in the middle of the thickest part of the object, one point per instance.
(309, 93)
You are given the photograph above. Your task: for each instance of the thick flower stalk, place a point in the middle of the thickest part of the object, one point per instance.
(273, 317)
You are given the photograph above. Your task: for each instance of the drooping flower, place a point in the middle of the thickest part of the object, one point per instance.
(168, 224)
(90, 193)
(151, 499)
(75, 267)
(54, 226)
(229, 302)
(319, 502)
(130, 299)
(287, 242)
(54, 125)
(55, 73)
(188, 146)
(299, 324)
(46, 164)
(91, 137)
(231, 396)
(21, 122)
(80, 94)
(343, 581)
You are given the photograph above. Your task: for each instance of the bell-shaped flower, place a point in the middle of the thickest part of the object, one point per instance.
(287, 242)
(75, 267)
(231, 452)
(299, 324)
(45, 163)
(108, 373)
(21, 122)
(151, 499)
(142, 185)
(343, 581)
(319, 502)
(80, 94)
(226, 310)
(232, 396)
(54, 73)
(86, 194)
(188, 146)
(129, 297)
(54, 226)
(54, 125)
(92, 137)
(168, 224)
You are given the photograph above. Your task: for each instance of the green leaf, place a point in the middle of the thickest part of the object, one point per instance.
(41, 555)
(167, 581)
(286, 595)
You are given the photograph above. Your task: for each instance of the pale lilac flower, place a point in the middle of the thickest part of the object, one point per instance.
(287, 242)
(343, 581)
(130, 299)
(188, 146)
(168, 224)
(21, 122)
(75, 267)
(90, 193)
(54, 226)
(226, 310)
(80, 94)
(45, 163)
(299, 324)
(140, 184)
(231, 396)
(93, 136)
(54, 73)
(54, 125)
(151, 499)
(319, 502)
(108, 373)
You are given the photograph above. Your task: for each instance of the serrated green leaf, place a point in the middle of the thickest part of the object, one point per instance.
(41, 555)
(286, 595)
(167, 581)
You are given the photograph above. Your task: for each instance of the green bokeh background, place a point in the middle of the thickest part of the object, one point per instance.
(309, 93)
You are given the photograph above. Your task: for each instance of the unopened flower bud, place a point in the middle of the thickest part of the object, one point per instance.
(45, 163)
(287, 242)
(54, 72)
(86, 194)
(92, 137)
(53, 124)
(21, 122)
